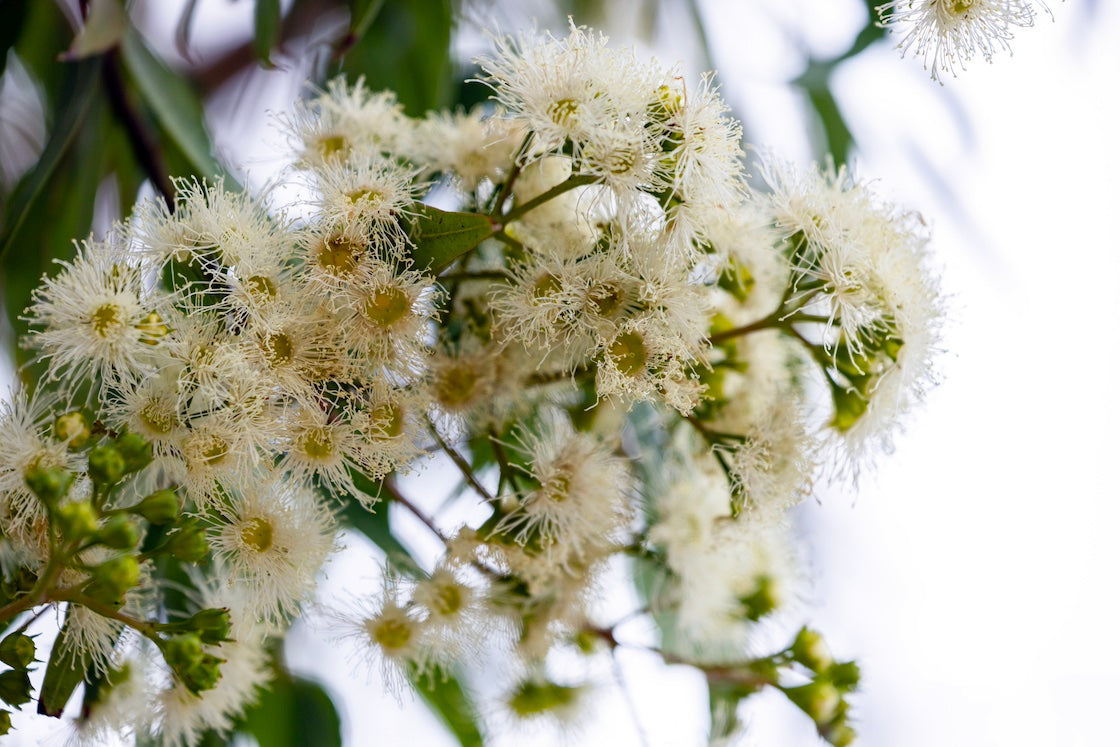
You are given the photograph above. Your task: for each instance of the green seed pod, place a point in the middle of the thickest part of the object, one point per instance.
(113, 578)
(17, 650)
(106, 465)
(809, 650)
(15, 687)
(196, 669)
(49, 485)
(212, 625)
(188, 543)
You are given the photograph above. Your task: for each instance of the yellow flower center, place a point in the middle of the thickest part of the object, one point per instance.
(260, 286)
(392, 633)
(456, 384)
(338, 255)
(158, 417)
(387, 420)
(629, 353)
(277, 348)
(106, 318)
(317, 444)
(257, 534)
(386, 305)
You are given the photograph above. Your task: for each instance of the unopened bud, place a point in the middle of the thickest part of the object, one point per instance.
(197, 670)
(820, 700)
(76, 521)
(135, 450)
(188, 543)
(840, 735)
(49, 485)
(212, 625)
(809, 650)
(120, 533)
(15, 687)
(113, 578)
(845, 675)
(72, 428)
(532, 697)
(17, 650)
(161, 507)
(5, 722)
(106, 465)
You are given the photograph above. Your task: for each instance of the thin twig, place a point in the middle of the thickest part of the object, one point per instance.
(464, 467)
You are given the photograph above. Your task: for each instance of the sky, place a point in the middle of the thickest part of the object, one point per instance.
(972, 574)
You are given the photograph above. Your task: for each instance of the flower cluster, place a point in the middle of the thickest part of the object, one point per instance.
(620, 344)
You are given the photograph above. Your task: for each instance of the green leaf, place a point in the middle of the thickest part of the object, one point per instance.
(407, 50)
(449, 700)
(65, 669)
(362, 15)
(79, 89)
(12, 15)
(442, 237)
(266, 29)
(175, 105)
(105, 25)
(815, 81)
(294, 712)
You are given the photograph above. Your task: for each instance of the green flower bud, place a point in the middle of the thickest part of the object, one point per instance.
(196, 669)
(840, 735)
(762, 601)
(532, 697)
(17, 650)
(120, 533)
(188, 543)
(106, 465)
(15, 687)
(73, 428)
(5, 722)
(809, 650)
(49, 485)
(135, 450)
(161, 507)
(113, 578)
(76, 521)
(845, 675)
(819, 699)
(212, 625)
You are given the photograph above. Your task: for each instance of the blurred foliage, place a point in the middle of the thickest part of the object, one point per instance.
(120, 113)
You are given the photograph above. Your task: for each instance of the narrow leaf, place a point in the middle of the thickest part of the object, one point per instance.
(266, 30)
(12, 15)
(295, 712)
(441, 237)
(449, 700)
(78, 92)
(65, 670)
(175, 105)
(362, 15)
(105, 25)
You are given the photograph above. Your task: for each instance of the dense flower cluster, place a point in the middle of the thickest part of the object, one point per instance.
(620, 344)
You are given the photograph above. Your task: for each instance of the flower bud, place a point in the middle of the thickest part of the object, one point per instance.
(845, 675)
(5, 722)
(76, 521)
(161, 507)
(17, 650)
(73, 429)
(839, 734)
(196, 669)
(113, 578)
(532, 697)
(106, 465)
(819, 699)
(188, 543)
(135, 450)
(212, 625)
(120, 533)
(15, 687)
(809, 650)
(49, 485)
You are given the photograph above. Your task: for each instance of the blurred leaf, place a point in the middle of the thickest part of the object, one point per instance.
(45, 35)
(373, 524)
(815, 81)
(105, 25)
(449, 700)
(362, 15)
(79, 89)
(266, 29)
(441, 237)
(12, 15)
(65, 669)
(407, 50)
(175, 105)
(294, 712)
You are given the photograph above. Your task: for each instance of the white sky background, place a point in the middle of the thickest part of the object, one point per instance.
(973, 576)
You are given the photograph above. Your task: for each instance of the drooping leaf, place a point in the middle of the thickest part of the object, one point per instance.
(105, 25)
(441, 237)
(406, 48)
(65, 670)
(266, 29)
(449, 700)
(294, 712)
(72, 112)
(175, 105)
